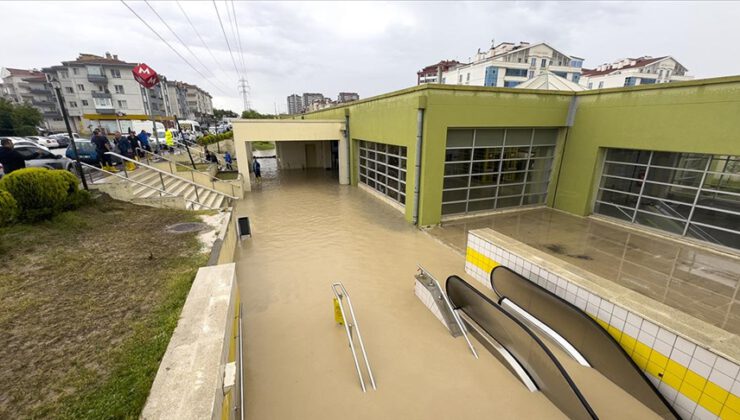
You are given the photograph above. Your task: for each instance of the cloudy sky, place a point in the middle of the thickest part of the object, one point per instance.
(365, 47)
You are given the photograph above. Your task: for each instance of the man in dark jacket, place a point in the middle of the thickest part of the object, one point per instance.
(102, 145)
(10, 158)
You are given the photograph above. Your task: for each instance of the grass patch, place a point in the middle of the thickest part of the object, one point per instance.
(227, 176)
(88, 303)
(198, 166)
(263, 145)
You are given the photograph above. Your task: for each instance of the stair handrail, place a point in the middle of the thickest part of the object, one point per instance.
(145, 185)
(190, 169)
(152, 168)
(340, 293)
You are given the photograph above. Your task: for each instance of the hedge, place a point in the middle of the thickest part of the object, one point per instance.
(215, 138)
(42, 193)
(8, 208)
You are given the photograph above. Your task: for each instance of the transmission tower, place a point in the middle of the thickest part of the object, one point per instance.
(244, 90)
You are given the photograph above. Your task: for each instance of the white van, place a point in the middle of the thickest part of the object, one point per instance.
(192, 127)
(137, 126)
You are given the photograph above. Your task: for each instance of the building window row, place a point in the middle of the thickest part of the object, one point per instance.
(383, 168)
(689, 194)
(488, 169)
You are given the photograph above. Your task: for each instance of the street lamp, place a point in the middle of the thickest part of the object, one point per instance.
(57, 86)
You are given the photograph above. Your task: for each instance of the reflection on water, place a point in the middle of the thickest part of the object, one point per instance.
(307, 232)
(697, 281)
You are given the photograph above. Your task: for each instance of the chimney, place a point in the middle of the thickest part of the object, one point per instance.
(107, 55)
(115, 56)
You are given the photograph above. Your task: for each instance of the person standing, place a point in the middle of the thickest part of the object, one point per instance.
(134, 142)
(257, 170)
(227, 159)
(102, 147)
(11, 159)
(144, 140)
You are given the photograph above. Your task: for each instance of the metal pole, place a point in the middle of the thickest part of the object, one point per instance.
(179, 132)
(417, 164)
(58, 91)
(151, 116)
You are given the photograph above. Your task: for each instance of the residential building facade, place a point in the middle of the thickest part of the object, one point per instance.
(30, 87)
(508, 64)
(633, 72)
(309, 98)
(295, 104)
(199, 102)
(433, 73)
(344, 97)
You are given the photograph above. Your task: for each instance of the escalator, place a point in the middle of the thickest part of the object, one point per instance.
(568, 356)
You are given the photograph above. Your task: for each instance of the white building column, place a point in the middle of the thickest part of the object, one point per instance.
(243, 151)
(343, 159)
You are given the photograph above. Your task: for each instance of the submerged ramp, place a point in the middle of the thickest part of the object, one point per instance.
(599, 348)
(542, 366)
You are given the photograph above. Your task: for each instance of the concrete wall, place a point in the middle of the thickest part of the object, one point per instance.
(294, 155)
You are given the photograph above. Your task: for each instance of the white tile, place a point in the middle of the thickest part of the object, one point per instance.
(607, 306)
(701, 368)
(572, 288)
(581, 303)
(631, 330)
(570, 297)
(736, 388)
(646, 338)
(619, 312)
(725, 366)
(685, 403)
(562, 283)
(617, 323)
(662, 348)
(666, 336)
(560, 292)
(721, 379)
(702, 413)
(583, 293)
(592, 309)
(680, 357)
(685, 346)
(649, 328)
(592, 298)
(705, 356)
(668, 392)
(634, 320)
(682, 412)
(604, 315)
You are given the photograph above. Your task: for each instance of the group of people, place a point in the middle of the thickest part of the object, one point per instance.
(131, 146)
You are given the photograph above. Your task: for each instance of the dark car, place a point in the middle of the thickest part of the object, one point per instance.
(62, 140)
(88, 153)
(43, 158)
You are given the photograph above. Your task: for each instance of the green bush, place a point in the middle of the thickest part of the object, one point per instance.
(8, 208)
(40, 193)
(75, 196)
(215, 138)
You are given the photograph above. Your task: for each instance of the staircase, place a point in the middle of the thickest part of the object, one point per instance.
(151, 186)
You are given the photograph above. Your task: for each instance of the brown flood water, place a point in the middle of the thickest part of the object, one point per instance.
(308, 232)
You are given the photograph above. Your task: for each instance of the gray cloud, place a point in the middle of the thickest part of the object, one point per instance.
(369, 48)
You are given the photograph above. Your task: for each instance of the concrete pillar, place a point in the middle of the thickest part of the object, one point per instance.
(343, 159)
(243, 154)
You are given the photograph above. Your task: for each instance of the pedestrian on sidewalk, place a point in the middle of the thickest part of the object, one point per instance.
(227, 159)
(11, 159)
(256, 169)
(134, 142)
(102, 147)
(144, 140)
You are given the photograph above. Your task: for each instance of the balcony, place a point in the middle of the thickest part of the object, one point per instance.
(105, 110)
(101, 94)
(38, 91)
(52, 114)
(97, 78)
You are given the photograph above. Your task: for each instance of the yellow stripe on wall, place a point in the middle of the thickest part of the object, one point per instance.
(481, 261)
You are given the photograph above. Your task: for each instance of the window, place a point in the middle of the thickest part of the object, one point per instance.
(75, 70)
(576, 77)
(115, 73)
(576, 63)
(630, 81)
(590, 85)
(119, 89)
(63, 74)
(103, 103)
(530, 74)
(601, 85)
(95, 71)
(68, 89)
(543, 63)
(122, 104)
(383, 168)
(459, 79)
(516, 72)
(562, 74)
(487, 169)
(85, 103)
(72, 104)
(467, 78)
(81, 87)
(510, 84)
(688, 194)
(534, 62)
(644, 81)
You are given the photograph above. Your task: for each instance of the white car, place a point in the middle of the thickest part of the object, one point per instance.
(49, 142)
(20, 141)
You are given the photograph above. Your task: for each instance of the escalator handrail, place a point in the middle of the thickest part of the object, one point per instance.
(588, 411)
(594, 356)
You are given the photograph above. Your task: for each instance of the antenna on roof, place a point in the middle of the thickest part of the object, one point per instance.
(493, 42)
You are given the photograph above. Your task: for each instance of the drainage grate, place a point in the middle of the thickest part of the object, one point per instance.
(186, 227)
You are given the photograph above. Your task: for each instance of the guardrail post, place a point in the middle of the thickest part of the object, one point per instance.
(197, 197)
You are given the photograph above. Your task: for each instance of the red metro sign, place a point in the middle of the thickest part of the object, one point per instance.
(145, 75)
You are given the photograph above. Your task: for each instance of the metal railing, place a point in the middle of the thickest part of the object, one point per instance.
(188, 169)
(192, 149)
(126, 178)
(340, 293)
(455, 315)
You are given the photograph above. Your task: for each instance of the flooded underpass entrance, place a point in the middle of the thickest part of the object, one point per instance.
(309, 232)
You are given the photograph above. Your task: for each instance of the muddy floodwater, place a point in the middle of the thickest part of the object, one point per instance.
(308, 232)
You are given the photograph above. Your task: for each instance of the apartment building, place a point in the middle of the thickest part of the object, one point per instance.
(433, 73)
(309, 98)
(30, 86)
(508, 65)
(295, 104)
(345, 97)
(199, 102)
(634, 71)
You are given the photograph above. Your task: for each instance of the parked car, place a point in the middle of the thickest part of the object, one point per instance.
(20, 141)
(75, 135)
(88, 153)
(61, 138)
(49, 142)
(44, 158)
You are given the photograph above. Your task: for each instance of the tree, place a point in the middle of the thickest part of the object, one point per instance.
(18, 120)
(219, 114)
(254, 115)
